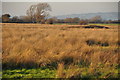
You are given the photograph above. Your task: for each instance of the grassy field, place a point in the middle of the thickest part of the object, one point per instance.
(59, 51)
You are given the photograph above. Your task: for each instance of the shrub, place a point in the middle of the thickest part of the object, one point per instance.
(42, 21)
(49, 21)
(93, 42)
(83, 22)
(67, 60)
(90, 42)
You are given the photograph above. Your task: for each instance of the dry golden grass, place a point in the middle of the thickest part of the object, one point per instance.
(35, 45)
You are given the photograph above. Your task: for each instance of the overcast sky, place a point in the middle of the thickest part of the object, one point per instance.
(61, 8)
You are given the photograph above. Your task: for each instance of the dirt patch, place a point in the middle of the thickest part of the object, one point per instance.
(90, 26)
(96, 26)
(74, 27)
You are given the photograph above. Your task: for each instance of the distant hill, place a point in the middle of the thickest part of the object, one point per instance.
(105, 16)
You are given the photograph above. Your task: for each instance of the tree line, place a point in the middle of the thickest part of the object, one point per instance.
(39, 13)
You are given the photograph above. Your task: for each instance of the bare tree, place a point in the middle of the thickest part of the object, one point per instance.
(38, 12)
(31, 13)
(96, 19)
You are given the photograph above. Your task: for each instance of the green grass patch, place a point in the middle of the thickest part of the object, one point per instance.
(29, 73)
(85, 72)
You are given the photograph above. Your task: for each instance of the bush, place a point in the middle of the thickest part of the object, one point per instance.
(49, 21)
(42, 21)
(83, 22)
